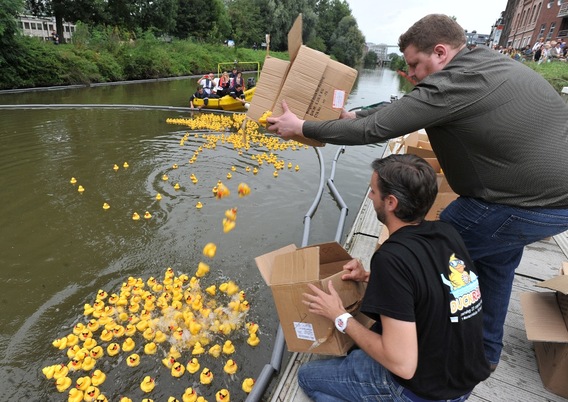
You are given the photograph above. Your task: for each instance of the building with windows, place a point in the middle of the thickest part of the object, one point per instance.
(42, 27)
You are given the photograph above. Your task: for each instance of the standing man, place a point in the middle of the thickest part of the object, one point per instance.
(484, 114)
(427, 343)
(208, 83)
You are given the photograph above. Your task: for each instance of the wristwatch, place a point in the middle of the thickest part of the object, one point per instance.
(341, 322)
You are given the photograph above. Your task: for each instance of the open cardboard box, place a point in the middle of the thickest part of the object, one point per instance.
(288, 271)
(314, 86)
(546, 323)
(417, 143)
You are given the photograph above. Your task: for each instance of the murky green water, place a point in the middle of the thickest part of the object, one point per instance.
(59, 247)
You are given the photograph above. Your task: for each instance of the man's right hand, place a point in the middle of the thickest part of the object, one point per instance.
(356, 271)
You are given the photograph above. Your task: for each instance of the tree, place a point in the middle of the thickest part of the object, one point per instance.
(204, 20)
(330, 13)
(347, 42)
(279, 15)
(246, 22)
(370, 59)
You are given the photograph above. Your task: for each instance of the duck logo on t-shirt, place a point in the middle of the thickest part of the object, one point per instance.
(464, 287)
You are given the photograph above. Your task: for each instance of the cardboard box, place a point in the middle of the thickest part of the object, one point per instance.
(546, 323)
(314, 86)
(288, 271)
(417, 143)
(443, 199)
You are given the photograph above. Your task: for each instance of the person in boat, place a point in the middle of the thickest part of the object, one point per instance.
(238, 93)
(427, 342)
(199, 94)
(224, 84)
(484, 114)
(208, 83)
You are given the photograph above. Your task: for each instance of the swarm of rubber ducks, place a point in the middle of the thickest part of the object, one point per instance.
(178, 316)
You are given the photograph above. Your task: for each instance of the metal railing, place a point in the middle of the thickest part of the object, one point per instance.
(279, 347)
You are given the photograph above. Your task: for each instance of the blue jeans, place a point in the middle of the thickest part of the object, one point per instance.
(495, 236)
(356, 377)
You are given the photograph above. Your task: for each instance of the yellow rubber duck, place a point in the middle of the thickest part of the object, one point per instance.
(97, 352)
(248, 384)
(133, 360)
(211, 290)
(48, 371)
(222, 191)
(231, 214)
(189, 395)
(125, 165)
(118, 331)
(73, 180)
(149, 334)
(165, 177)
(88, 363)
(160, 337)
(135, 216)
(83, 383)
(253, 340)
(127, 399)
(147, 384)
(177, 186)
(228, 347)
(297, 168)
(202, 270)
(106, 206)
(113, 349)
(128, 345)
(243, 190)
(150, 348)
(80, 189)
(223, 395)
(63, 383)
(158, 197)
(230, 367)
(60, 343)
(262, 119)
(199, 205)
(175, 166)
(255, 170)
(228, 225)
(198, 349)
(147, 215)
(229, 175)
(209, 250)
(89, 343)
(130, 330)
(275, 174)
(91, 394)
(193, 365)
(79, 327)
(72, 351)
(206, 376)
(215, 350)
(177, 369)
(75, 395)
(101, 398)
(234, 168)
(173, 399)
(98, 377)
(74, 365)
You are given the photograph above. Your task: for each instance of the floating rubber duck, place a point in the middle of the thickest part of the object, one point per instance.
(89, 343)
(160, 337)
(189, 395)
(199, 205)
(253, 340)
(83, 383)
(209, 250)
(147, 384)
(211, 290)
(60, 343)
(252, 328)
(118, 331)
(125, 165)
(88, 363)
(247, 169)
(243, 190)
(248, 384)
(297, 168)
(98, 377)
(127, 399)
(128, 345)
(206, 376)
(158, 197)
(193, 366)
(173, 399)
(150, 348)
(289, 165)
(222, 191)
(74, 365)
(230, 367)
(135, 216)
(63, 383)
(165, 177)
(73, 180)
(97, 352)
(228, 225)
(255, 170)
(101, 398)
(223, 395)
(215, 350)
(175, 166)
(91, 394)
(176, 186)
(75, 395)
(228, 347)
(48, 371)
(230, 288)
(202, 270)
(80, 189)
(130, 330)
(177, 369)
(147, 215)
(275, 174)
(113, 349)
(115, 167)
(133, 360)
(198, 349)
(231, 214)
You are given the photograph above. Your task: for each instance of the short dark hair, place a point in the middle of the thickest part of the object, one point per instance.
(411, 180)
(430, 31)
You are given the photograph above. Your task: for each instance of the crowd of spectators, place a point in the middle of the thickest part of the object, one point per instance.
(541, 52)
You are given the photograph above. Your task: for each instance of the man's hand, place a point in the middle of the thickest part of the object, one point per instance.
(287, 125)
(356, 272)
(328, 305)
(347, 115)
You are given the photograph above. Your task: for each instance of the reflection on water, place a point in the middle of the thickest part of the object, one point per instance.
(59, 247)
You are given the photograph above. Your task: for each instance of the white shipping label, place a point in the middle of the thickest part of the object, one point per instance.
(304, 330)
(338, 99)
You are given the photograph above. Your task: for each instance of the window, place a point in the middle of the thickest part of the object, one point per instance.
(51, 27)
(26, 25)
(66, 28)
(542, 28)
(550, 2)
(550, 31)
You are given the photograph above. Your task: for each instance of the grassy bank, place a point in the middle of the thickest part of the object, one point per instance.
(556, 73)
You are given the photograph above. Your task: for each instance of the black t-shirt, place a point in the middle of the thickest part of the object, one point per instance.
(424, 274)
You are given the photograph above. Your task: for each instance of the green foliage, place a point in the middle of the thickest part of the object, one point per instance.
(370, 60)
(347, 42)
(556, 73)
(397, 62)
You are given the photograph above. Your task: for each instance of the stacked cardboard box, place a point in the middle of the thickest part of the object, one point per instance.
(546, 323)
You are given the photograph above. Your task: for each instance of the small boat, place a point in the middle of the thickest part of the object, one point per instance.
(226, 102)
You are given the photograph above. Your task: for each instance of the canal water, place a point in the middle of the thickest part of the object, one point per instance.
(59, 247)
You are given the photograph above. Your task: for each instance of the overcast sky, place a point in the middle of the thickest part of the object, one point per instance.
(383, 21)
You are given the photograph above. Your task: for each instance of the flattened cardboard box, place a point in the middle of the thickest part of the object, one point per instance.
(288, 271)
(546, 323)
(314, 86)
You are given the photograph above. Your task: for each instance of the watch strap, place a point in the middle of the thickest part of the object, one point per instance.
(341, 322)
